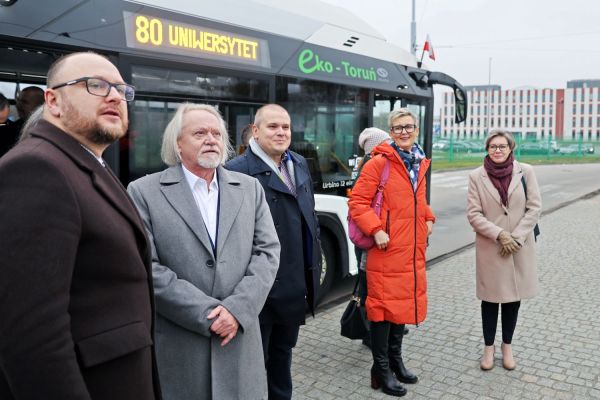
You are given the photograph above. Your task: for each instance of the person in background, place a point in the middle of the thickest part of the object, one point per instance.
(4, 110)
(503, 217)
(28, 100)
(368, 139)
(285, 177)
(77, 302)
(215, 254)
(246, 134)
(33, 119)
(8, 131)
(396, 277)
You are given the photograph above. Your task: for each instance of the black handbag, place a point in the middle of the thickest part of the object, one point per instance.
(354, 321)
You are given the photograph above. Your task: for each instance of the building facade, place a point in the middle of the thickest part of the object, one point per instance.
(530, 113)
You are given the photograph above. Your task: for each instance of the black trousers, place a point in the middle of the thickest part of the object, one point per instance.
(489, 319)
(278, 341)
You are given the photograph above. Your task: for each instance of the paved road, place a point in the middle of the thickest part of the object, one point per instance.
(556, 343)
(558, 184)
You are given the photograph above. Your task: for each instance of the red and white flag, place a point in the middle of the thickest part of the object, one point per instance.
(428, 47)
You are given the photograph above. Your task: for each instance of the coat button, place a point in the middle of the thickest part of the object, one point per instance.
(268, 173)
(210, 264)
(505, 213)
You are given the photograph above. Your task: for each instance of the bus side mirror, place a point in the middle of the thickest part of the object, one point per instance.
(460, 94)
(429, 78)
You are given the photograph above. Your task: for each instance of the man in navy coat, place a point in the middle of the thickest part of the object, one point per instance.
(285, 177)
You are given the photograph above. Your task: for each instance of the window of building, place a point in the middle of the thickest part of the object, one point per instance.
(520, 96)
(543, 109)
(542, 134)
(582, 108)
(574, 108)
(551, 95)
(550, 122)
(574, 121)
(582, 121)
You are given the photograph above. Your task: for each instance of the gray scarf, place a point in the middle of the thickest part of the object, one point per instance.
(260, 153)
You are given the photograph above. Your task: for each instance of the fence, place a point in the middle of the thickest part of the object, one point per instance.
(461, 151)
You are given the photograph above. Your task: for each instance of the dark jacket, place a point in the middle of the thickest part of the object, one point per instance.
(297, 227)
(76, 300)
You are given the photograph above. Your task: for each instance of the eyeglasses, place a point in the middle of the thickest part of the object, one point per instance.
(501, 147)
(100, 87)
(410, 128)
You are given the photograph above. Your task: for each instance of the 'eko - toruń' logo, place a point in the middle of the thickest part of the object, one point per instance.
(309, 63)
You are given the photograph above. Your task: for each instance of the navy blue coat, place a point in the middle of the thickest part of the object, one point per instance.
(296, 223)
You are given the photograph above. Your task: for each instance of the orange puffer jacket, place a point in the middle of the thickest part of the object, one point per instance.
(396, 279)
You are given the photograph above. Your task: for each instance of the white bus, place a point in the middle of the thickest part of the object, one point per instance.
(331, 71)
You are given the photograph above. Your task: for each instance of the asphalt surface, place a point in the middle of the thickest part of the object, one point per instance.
(556, 342)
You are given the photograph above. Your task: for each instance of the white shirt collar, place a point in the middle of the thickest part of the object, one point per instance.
(192, 179)
(100, 160)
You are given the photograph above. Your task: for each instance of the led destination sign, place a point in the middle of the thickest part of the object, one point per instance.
(160, 34)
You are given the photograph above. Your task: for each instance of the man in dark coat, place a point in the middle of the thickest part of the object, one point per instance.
(76, 289)
(285, 177)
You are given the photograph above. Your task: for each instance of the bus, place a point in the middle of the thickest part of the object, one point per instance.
(333, 73)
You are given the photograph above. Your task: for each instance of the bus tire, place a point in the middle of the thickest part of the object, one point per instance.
(328, 262)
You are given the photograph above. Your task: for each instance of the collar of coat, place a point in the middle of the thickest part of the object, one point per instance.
(178, 193)
(256, 166)
(103, 179)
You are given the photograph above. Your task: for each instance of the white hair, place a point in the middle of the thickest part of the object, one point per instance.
(169, 153)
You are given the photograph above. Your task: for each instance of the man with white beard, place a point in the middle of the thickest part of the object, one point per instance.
(215, 254)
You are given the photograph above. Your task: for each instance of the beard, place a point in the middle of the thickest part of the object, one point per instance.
(90, 128)
(209, 161)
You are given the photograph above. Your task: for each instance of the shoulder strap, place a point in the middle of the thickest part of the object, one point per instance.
(385, 174)
(524, 186)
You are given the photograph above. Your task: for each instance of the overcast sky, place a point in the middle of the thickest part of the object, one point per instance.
(531, 42)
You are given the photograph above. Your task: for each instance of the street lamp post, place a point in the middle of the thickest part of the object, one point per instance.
(489, 95)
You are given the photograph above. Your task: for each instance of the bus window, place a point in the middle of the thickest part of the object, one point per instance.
(142, 145)
(326, 121)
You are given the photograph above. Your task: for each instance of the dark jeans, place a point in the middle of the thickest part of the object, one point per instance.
(489, 318)
(278, 342)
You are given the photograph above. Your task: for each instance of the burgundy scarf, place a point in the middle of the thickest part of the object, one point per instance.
(500, 175)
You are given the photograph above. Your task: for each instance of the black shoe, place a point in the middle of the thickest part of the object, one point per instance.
(381, 375)
(384, 380)
(403, 374)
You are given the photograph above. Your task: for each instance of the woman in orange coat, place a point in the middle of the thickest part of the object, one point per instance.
(397, 287)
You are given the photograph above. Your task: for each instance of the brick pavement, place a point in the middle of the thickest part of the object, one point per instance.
(556, 343)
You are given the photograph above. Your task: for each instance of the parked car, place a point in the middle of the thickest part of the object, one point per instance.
(577, 149)
(533, 148)
(441, 145)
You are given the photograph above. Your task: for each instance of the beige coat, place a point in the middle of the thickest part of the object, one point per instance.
(512, 278)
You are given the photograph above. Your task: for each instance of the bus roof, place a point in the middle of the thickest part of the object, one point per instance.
(331, 27)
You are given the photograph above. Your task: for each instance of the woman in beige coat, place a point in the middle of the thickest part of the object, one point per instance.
(503, 217)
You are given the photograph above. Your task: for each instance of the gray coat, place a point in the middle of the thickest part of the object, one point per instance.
(189, 282)
(511, 278)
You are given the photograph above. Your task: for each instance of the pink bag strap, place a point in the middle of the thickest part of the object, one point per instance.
(385, 174)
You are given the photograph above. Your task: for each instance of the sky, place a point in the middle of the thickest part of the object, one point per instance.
(531, 43)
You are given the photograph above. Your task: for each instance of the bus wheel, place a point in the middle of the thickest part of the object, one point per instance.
(327, 266)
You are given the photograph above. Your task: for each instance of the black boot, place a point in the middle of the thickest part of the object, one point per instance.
(395, 351)
(381, 375)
